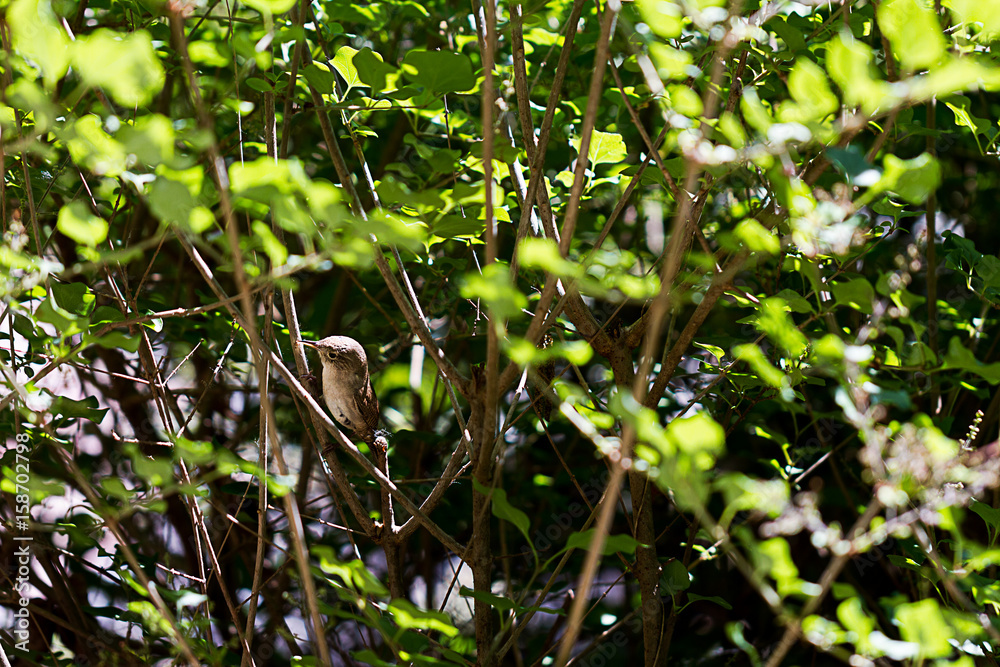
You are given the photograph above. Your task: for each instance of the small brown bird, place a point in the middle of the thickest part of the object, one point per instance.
(347, 388)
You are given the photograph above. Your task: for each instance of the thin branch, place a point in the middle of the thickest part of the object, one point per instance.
(611, 10)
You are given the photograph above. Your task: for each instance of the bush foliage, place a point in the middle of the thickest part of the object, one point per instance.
(682, 316)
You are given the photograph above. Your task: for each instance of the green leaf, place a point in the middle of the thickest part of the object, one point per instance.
(106, 315)
(789, 34)
(116, 340)
(502, 509)
(150, 139)
(698, 436)
(342, 62)
(319, 77)
(495, 288)
(86, 408)
(811, 91)
(75, 298)
(960, 107)
(276, 252)
(850, 65)
(923, 624)
(93, 148)
(193, 452)
(456, 226)
(913, 31)
(613, 544)
(773, 319)
(795, 301)
(364, 657)
(961, 357)
(671, 64)
(754, 111)
(674, 578)
(353, 573)
(372, 71)
(852, 616)
(759, 364)
(851, 162)
(123, 65)
(664, 17)
(955, 75)
(211, 54)
(543, 254)
(155, 471)
(989, 514)
(269, 7)
(758, 238)
(439, 71)
(913, 179)
(36, 34)
(408, 615)
(856, 293)
(114, 488)
(65, 322)
(397, 228)
(261, 178)
(78, 223)
(497, 602)
(717, 351)
(694, 597)
(170, 201)
(776, 556)
(31, 98)
(605, 148)
(985, 13)
(259, 84)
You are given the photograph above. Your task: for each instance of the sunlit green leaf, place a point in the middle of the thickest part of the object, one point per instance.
(408, 615)
(343, 63)
(605, 148)
(773, 319)
(811, 91)
(914, 32)
(150, 139)
(123, 65)
(77, 222)
(850, 65)
(856, 293)
(663, 16)
(493, 286)
(371, 69)
(93, 148)
(271, 6)
(923, 624)
(37, 35)
(913, 179)
(983, 14)
(757, 238)
(753, 356)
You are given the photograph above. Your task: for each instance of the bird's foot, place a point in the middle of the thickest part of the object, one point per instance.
(311, 384)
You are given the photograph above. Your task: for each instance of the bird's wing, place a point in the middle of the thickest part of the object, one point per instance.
(368, 407)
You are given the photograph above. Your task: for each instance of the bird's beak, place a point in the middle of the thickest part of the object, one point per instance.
(308, 343)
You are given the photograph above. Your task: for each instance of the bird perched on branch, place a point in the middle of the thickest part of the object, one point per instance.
(347, 389)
